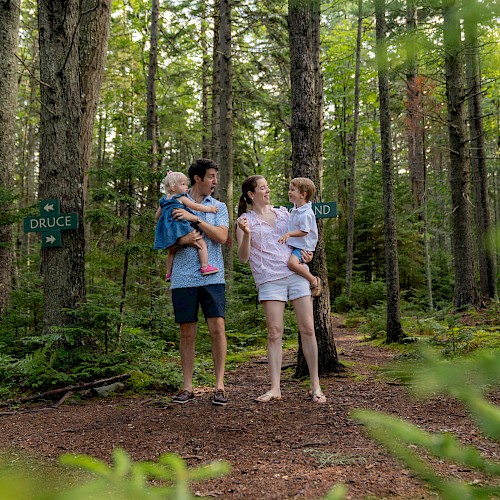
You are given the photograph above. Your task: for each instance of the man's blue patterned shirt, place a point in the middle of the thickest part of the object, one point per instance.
(186, 268)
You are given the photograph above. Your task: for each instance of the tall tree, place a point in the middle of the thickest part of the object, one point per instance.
(415, 120)
(352, 145)
(463, 253)
(394, 329)
(226, 122)
(485, 252)
(216, 105)
(61, 173)
(9, 27)
(94, 29)
(205, 88)
(72, 50)
(306, 136)
(151, 113)
(414, 111)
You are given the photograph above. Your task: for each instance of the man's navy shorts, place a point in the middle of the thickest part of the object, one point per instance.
(186, 302)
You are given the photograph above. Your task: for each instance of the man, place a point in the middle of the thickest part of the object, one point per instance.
(190, 289)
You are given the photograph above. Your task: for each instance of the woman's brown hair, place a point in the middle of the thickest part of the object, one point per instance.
(249, 184)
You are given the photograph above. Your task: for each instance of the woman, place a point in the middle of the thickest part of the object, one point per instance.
(258, 233)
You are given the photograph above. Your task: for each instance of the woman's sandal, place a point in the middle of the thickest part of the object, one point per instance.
(265, 398)
(317, 396)
(316, 289)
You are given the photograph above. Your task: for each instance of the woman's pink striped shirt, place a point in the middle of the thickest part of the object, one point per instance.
(268, 258)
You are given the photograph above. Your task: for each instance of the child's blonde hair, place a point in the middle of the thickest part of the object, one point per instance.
(171, 180)
(304, 185)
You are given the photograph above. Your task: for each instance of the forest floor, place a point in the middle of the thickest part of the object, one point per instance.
(284, 449)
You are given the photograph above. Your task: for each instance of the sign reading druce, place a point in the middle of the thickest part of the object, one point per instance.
(50, 223)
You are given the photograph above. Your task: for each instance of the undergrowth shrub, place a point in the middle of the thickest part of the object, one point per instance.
(167, 478)
(468, 380)
(363, 296)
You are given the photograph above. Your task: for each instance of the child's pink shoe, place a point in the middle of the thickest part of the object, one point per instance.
(168, 276)
(208, 270)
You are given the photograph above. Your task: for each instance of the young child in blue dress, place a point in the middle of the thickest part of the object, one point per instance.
(302, 229)
(169, 230)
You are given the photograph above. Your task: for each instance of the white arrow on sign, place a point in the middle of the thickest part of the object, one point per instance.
(49, 239)
(48, 208)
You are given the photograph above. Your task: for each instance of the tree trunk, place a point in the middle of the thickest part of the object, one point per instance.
(61, 172)
(9, 27)
(465, 284)
(352, 148)
(485, 252)
(152, 117)
(414, 112)
(394, 329)
(306, 135)
(216, 86)
(226, 126)
(205, 89)
(416, 155)
(94, 36)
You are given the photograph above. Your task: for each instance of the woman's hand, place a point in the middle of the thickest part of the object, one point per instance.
(243, 224)
(306, 256)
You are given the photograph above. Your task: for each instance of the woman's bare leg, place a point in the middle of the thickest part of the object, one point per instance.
(305, 321)
(274, 310)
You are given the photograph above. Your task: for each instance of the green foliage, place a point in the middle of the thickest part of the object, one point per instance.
(168, 478)
(467, 380)
(363, 296)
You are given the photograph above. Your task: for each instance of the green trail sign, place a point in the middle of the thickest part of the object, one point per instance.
(325, 210)
(322, 210)
(50, 223)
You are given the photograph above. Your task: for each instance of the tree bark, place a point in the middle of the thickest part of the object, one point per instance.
(416, 155)
(216, 85)
(463, 254)
(485, 252)
(9, 27)
(306, 136)
(205, 88)
(94, 29)
(61, 157)
(394, 329)
(414, 113)
(152, 116)
(351, 158)
(226, 125)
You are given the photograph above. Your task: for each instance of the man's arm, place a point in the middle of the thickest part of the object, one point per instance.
(218, 234)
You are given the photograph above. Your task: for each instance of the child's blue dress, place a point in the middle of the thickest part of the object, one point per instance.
(168, 230)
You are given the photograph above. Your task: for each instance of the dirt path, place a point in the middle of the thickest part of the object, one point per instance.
(283, 449)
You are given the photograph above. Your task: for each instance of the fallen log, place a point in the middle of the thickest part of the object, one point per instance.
(71, 388)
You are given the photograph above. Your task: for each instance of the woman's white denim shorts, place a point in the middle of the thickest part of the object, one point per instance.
(290, 288)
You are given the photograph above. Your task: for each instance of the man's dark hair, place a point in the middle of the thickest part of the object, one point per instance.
(200, 167)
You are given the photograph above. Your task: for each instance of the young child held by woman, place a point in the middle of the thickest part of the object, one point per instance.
(168, 229)
(302, 229)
